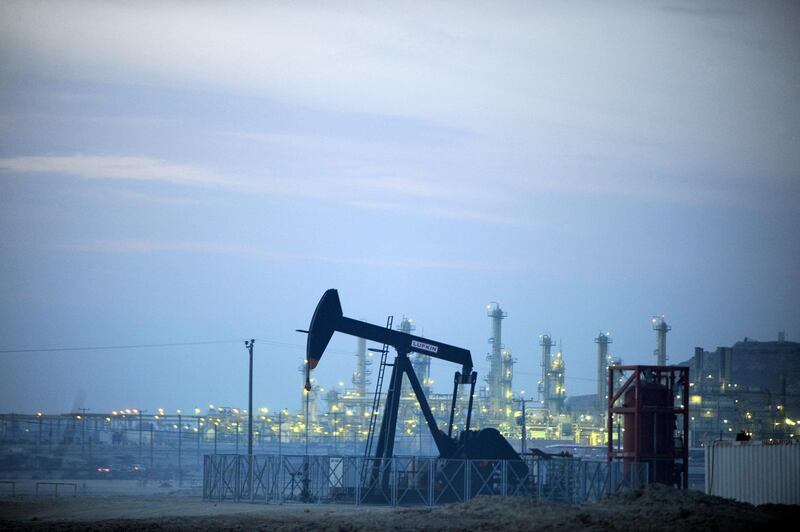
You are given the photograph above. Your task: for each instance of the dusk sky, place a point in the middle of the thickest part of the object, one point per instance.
(202, 172)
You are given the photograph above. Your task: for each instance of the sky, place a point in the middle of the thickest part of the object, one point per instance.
(193, 173)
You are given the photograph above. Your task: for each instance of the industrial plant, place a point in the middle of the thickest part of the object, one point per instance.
(748, 391)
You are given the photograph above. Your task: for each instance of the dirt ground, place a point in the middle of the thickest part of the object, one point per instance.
(650, 508)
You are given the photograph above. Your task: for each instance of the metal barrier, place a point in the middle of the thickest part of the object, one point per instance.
(73, 485)
(13, 485)
(411, 480)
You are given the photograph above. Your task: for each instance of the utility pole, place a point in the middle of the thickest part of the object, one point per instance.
(180, 434)
(249, 346)
(523, 423)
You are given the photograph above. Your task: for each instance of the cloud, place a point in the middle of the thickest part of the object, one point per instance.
(381, 191)
(440, 211)
(129, 246)
(129, 195)
(115, 168)
(539, 78)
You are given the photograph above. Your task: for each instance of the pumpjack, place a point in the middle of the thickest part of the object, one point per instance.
(486, 444)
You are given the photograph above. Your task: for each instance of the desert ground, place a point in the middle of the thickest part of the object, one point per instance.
(650, 508)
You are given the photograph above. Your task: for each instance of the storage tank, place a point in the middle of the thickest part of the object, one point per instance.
(656, 445)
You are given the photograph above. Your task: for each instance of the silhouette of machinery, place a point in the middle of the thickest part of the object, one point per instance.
(486, 444)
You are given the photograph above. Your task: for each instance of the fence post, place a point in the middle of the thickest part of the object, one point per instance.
(539, 467)
(467, 478)
(250, 460)
(431, 473)
(358, 477)
(393, 477)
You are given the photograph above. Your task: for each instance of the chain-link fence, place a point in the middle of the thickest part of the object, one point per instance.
(410, 481)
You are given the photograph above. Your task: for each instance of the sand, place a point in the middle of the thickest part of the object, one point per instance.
(650, 508)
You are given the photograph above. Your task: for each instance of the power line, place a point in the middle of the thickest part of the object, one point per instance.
(275, 343)
(105, 347)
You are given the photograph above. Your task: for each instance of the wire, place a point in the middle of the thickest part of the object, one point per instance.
(266, 341)
(99, 348)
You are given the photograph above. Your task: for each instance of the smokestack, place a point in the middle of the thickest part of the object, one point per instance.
(661, 328)
(547, 361)
(495, 377)
(602, 341)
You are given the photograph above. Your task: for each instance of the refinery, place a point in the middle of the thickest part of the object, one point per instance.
(356, 266)
(727, 399)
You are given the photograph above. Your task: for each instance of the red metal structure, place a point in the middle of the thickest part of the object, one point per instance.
(654, 404)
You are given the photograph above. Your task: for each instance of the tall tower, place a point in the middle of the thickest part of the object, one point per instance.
(495, 379)
(506, 380)
(558, 368)
(661, 328)
(421, 363)
(602, 341)
(360, 381)
(547, 345)
(312, 395)
(552, 389)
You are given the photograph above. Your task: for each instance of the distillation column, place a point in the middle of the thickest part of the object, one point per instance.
(558, 370)
(359, 380)
(420, 363)
(544, 387)
(497, 403)
(602, 341)
(661, 328)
